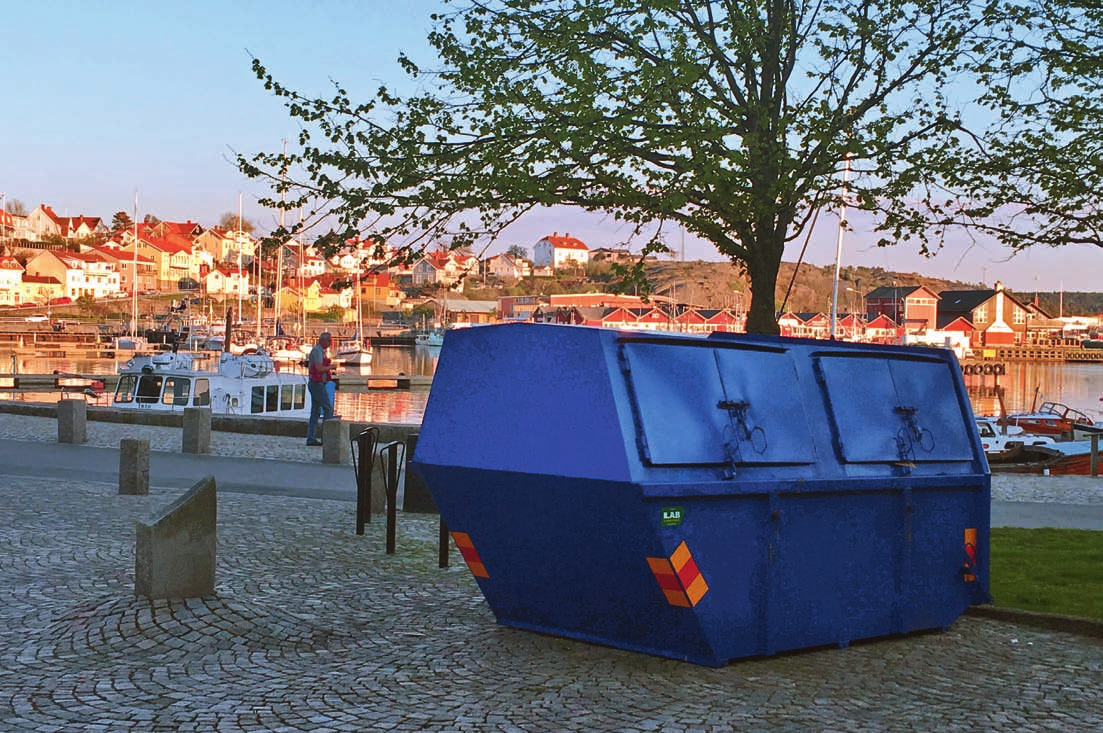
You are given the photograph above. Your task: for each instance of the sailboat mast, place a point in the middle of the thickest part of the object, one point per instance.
(134, 276)
(239, 243)
(839, 248)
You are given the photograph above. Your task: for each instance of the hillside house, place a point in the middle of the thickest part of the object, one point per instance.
(443, 267)
(558, 251)
(124, 265)
(226, 280)
(43, 222)
(379, 293)
(7, 225)
(507, 267)
(229, 246)
(80, 274)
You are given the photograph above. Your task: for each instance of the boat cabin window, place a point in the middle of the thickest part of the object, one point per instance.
(149, 388)
(986, 430)
(276, 398)
(124, 390)
(201, 397)
(292, 397)
(177, 391)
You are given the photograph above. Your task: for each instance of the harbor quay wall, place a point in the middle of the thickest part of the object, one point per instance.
(388, 432)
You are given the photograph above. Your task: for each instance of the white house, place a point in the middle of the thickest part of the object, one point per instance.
(227, 280)
(11, 281)
(83, 273)
(445, 267)
(557, 250)
(43, 222)
(508, 267)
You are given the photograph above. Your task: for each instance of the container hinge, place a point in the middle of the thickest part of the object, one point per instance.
(817, 371)
(740, 431)
(622, 357)
(911, 435)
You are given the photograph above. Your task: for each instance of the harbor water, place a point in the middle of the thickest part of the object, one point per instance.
(1025, 384)
(399, 406)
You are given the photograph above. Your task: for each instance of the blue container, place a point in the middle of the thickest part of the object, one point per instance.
(708, 498)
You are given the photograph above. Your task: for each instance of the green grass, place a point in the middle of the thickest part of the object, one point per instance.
(1048, 570)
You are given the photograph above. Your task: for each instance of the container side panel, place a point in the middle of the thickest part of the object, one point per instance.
(934, 587)
(729, 543)
(834, 563)
(524, 398)
(569, 556)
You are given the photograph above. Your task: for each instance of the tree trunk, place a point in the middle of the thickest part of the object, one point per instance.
(762, 272)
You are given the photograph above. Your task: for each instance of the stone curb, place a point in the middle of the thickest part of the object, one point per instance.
(1048, 621)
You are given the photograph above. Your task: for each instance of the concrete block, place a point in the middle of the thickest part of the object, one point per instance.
(335, 442)
(175, 551)
(197, 430)
(134, 466)
(72, 421)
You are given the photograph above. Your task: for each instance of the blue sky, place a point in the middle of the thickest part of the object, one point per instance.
(103, 98)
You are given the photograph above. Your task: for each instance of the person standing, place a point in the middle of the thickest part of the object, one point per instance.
(320, 369)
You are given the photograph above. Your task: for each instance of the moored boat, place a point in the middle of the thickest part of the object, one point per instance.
(241, 384)
(1052, 418)
(434, 337)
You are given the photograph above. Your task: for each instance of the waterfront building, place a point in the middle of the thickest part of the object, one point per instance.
(997, 317)
(913, 308)
(11, 281)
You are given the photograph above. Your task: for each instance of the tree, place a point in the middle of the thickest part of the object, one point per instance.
(1035, 179)
(517, 252)
(16, 207)
(121, 222)
(738, 121)
(230, 222)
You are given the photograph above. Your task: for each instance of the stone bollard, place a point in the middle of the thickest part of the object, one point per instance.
(335, 442)
(134, 466)
(175, 552)
(197, 430)
(72, 421)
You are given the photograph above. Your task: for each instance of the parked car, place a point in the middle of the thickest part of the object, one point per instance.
(60, 301)
(36, 318)
(187, 283)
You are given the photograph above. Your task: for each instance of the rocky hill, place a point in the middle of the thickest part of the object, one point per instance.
(720, 284)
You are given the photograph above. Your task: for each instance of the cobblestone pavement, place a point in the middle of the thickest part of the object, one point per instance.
(313, 628)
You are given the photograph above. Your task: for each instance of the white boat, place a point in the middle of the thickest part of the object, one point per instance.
(354, 351)
(129, 343)
(242, 384)
(352, 354)
(434, 337)
(285, 351)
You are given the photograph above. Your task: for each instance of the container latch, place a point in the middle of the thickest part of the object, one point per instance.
(740, 431)
(911, 434)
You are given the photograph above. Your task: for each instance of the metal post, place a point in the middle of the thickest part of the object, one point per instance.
(1095, 455)
(364, 444)
(442, 545)
(392, 452)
